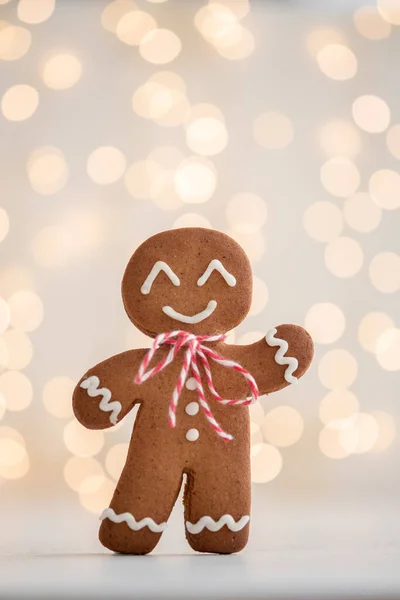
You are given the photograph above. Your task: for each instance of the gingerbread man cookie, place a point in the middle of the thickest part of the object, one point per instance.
(186, 288)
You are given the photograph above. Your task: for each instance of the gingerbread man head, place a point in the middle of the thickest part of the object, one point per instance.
(194, 279)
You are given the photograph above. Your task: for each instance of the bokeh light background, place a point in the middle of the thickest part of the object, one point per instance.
(276, 122)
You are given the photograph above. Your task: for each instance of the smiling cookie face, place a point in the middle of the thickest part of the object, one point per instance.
(194, 279)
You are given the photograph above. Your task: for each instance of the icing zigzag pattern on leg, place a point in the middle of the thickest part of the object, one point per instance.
(211, 525)
(91, 384)
(280, 358)
(130, 520)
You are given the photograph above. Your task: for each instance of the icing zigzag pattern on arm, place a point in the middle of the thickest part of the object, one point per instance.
(209, 523)
(130, 520)
(280, 358)
(91, 384)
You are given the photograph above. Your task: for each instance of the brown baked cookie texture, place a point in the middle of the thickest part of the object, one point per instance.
(186, 288)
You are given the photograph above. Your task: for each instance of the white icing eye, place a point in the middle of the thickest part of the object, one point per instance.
(159, 266)
(216, 265)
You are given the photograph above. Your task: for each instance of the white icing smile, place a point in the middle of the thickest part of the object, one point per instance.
(197, 318)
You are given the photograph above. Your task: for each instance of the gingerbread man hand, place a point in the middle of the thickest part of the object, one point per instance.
(186, 288)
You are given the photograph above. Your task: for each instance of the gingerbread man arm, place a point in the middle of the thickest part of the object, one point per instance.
(278, 359)
(107, 392)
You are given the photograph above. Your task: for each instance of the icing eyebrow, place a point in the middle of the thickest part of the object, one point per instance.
(216, 265)
(159, 266)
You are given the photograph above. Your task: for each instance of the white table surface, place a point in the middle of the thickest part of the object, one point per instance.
(286, 573)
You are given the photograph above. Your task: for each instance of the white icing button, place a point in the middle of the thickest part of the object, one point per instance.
(192, 409)
(191, 384)
(192, 435)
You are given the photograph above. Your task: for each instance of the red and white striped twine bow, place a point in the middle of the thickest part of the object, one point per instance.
(195, 349)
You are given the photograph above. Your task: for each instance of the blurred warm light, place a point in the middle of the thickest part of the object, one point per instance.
(96, 501)
(26, 310)
(169, 80)
(384, 187)
(340, 138)
(3, 354)
(371, 328)
(35, 11)
(323, 36)
(157, 1)
(5, 315)
(386, 430)
(325, 322)
(337, 62)
(256, 436)
(14, 42)
(337, 369)
(256, 413)
(62, 71)
(163, 192)
(13, 279)
(393, 140)
(16, 389)
(240, 8)
(339, 404)
(133, 26)
(266, 463)
(218, 24)
(2, 400)
(57, 397)
(273, 130)
(246, 212)
(260, 297)
(371, 113)
(14, 461)
(362, 213)
(390, 10)
(369, 23)
(173, 106)
(344, 257)
(240, 50)
(140, 177)
(161, 100)
(160, 46)
(384, 272)
(323, 221)
(106, 165)
(206, 136)
(81, 441)
(19, 348)
(204, 110)
(47, 170)
(4, 224)
(50, 248)
(191, 220)
(82, 230)
(338, 439)
(252, 243)
(340, 177)
(249, 337)
(115, 460)
(77, 470)
(368, 432)
(19, 102)
(113, 13)
(195, 180)
(388, 349)
(11, 433)
(230, 337)
(283, 426)
(168, 157)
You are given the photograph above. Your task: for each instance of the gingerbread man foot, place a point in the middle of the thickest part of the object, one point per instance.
(186, 288)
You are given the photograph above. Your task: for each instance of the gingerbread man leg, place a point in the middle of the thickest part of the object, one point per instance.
(141, 505)
(217, 506)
